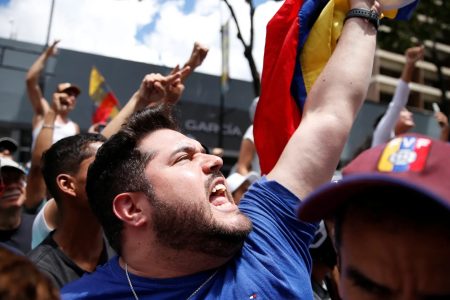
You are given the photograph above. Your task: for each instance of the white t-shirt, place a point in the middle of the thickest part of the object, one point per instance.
(60, 131)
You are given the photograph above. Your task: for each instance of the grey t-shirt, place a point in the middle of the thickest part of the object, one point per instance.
(57, 265)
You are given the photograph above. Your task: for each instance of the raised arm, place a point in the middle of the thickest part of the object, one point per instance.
(40, 105)
(36, 188)
(154, 88)
(412, 55)
(385, 127)
(312, 154)
(198, 54)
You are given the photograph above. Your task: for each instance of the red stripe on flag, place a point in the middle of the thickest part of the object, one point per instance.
(277, 115)
(422, 148)
(105, 108)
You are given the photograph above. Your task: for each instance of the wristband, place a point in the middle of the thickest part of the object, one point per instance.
(368, 14)
(48, 126)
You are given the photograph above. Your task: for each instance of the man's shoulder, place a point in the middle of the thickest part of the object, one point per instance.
(265, 189)
(44, 253)
(92, 284)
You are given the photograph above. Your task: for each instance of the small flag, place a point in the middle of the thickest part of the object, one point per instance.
(104, 99)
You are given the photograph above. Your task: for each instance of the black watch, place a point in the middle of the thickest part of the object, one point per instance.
(368, 14)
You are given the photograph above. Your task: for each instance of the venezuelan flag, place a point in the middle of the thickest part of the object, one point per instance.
(300, 39)
(104, 99)
(405, 154)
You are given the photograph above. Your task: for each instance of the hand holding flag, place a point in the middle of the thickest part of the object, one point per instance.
(300, 39)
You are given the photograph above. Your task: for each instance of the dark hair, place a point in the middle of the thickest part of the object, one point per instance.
(119, 167)
(324, 254)
(20, 279)
(65, 156)
(396, 207)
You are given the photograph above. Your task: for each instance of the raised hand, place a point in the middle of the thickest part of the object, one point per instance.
(154, 87)
(52, 50)
(174, 90)
(441, 119)
(369, 4)
(58, 103)
(198, 54)
(414, 54)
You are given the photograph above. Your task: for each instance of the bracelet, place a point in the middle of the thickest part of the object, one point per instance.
(368, 14)
(48, 126)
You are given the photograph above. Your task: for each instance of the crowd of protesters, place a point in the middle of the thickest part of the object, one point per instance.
(140, 210)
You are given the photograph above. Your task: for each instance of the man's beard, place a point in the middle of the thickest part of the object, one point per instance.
(190, 227)
(10, 217)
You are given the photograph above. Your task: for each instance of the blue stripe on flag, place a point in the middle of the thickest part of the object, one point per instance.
(307, 16)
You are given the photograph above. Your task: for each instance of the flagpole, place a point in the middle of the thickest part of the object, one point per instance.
(224, 30)
(42, 75)
(50, 21)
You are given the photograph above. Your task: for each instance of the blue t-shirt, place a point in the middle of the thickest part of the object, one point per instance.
(274, 262)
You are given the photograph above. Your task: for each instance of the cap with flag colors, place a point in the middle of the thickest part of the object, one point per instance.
(411, 162)
(104, 99)
(300, 39)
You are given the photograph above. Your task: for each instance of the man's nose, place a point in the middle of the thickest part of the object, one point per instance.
(211, 163)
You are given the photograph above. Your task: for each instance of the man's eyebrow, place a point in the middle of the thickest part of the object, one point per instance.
(187, 149)
(367, 284)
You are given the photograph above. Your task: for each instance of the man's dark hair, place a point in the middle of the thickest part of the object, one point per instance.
(65, 157)
(20, 279)
(119, 167)
(394, 207)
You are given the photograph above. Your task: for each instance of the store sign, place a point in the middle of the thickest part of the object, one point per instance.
(229, 129)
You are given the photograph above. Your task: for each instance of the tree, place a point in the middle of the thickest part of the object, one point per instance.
(248, 47)
(429, 25)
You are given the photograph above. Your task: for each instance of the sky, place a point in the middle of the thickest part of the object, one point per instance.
(150, 31)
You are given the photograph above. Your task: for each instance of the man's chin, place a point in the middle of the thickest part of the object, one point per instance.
(10, 206)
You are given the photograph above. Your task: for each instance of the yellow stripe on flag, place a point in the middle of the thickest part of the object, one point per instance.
(95, 82)
(323, 37)
(114, 112)
(384, 164)
(322, 40)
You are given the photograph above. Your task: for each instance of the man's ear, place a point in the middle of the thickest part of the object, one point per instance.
(66, 184)
(129, 207)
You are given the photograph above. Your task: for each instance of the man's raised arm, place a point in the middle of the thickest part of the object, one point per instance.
(40, 105)
(312, 153)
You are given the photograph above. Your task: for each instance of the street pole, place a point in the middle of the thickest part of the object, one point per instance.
(50, 24)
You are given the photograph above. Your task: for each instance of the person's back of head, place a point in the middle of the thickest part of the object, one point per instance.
(8, 147)
(65, 157)
(21, 280)
(392, 220)
(119, 167)
(398, 233)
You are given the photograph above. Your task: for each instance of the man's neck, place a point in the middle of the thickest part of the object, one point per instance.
(63, 118)
(152, 260)
(80, 237)
(10, 218)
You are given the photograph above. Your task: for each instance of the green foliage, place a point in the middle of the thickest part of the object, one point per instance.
(431, 21)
